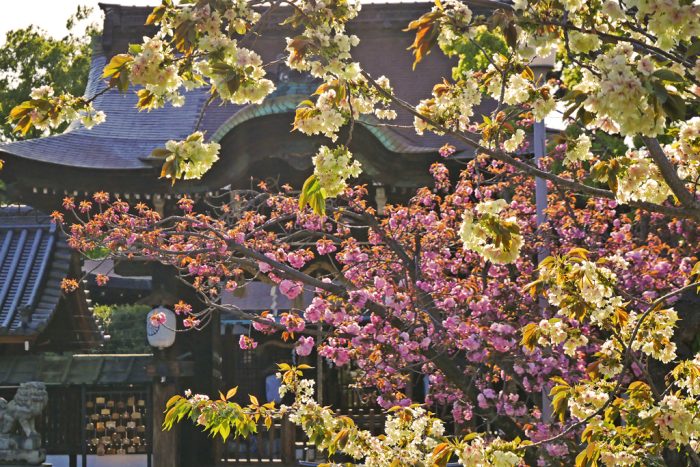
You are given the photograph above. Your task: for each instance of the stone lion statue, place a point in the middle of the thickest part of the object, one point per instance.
(19, 440)
(28, 404)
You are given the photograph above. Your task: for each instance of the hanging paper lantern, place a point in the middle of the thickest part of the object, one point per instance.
(160, 327)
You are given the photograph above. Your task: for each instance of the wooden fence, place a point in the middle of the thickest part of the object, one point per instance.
(285, 444)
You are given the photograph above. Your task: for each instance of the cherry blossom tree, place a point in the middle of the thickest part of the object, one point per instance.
(449, 285)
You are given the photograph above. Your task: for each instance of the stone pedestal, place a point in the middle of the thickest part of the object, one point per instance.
(26, 457)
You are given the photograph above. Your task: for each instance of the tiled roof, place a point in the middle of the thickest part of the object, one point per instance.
(123, 139)
(76, 369)
(114, 156)
(34, 259)
(128, 136)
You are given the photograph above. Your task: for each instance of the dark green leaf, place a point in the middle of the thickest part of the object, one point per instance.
(675, 107)
(668, 75)
(693, 49)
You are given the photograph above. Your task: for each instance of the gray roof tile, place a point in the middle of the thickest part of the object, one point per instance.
(30, 270)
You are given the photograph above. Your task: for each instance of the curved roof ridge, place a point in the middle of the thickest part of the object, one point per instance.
(287, 103)
(98, 61)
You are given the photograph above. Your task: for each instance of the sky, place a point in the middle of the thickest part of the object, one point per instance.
(51, 15)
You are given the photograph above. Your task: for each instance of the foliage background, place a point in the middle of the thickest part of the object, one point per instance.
(31, 58)
(126, 326)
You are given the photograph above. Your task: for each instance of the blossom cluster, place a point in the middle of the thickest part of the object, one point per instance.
(334, 167)
(685, 149)
(339, 101)
(580, 288)
(654, 334)
(323, 47)
(670, 21)
(239, 76)
(416, 293)
(554, 331)
(641, 180)
(411, 435)
(578, 150)
(497, 238)
(152, 69)
(234, 73)
(46, 111)
(381, 325)
(618, 96)
(190, 159)
(451, 106)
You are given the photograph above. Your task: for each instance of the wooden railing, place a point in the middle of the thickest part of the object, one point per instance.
(285, 444)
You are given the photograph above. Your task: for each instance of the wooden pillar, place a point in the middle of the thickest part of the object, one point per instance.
(319, 379)
(166, 450)
(217, 373)
(288, 442)
(165, 443)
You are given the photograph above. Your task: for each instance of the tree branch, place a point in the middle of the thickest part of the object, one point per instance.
(668, 171)
(688, 212)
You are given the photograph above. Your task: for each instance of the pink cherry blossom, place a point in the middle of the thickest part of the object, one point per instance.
(304, 346)
(291, 289)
